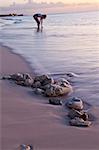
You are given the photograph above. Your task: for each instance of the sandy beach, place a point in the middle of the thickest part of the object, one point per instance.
(27, 118)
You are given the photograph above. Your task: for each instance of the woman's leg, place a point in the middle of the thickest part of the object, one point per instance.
(37, 21)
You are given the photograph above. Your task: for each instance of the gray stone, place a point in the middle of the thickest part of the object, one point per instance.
(75, 103)
(17, 76)
(47, 81)
(79, 122)
(26, 76)
(57, 90)
(47, 86)
(27, 82)
(55, 101)
(40, 78)
(38, 91)
(63, 81)
(75, 113)
(37, 84)
(20, 77)
(44, 79)
(71, 74)
(8, 77)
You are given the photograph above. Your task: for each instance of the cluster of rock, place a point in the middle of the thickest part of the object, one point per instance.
(53, 89)
(21, 79)
(77, 116)
(47, 84)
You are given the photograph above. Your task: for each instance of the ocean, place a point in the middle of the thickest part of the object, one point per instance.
(69, 42)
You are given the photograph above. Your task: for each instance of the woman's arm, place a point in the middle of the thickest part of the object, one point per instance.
(41, 21)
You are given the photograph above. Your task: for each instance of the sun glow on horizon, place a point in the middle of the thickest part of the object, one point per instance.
(69, 1)
(9, 2)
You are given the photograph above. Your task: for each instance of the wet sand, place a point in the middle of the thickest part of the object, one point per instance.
(27, 118)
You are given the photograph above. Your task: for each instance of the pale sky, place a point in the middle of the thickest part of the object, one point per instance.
(9, 2)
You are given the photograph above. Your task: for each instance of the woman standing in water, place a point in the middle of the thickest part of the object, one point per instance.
(39, 19)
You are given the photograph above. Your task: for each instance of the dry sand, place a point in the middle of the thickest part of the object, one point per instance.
(27, 118)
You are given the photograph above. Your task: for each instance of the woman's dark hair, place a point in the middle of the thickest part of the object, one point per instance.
(44, 16)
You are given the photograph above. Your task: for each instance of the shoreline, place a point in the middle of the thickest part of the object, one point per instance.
(28, 118)
(10, 50)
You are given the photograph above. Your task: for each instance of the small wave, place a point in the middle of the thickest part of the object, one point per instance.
(17, 21)
(58, 35)
(69, 74)
(85, 24)
(12, 19)
(29, 28)
(4, 25)
(71, 35)
(7, 18)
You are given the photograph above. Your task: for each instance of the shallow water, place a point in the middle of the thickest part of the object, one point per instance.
(67, 43)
